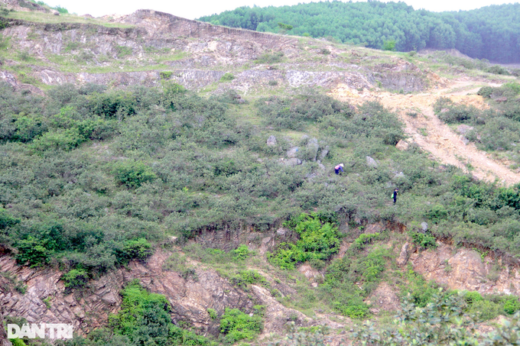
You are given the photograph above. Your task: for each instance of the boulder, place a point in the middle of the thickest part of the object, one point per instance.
(324, 153)
(424, 226)
(313, 147)
(463, 129)
(406, 249)
(293, 162)
(402, 145)
(371, 162)
(292, 152)
(271, 141)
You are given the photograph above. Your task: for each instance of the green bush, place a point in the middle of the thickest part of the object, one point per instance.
(212, 314)
(7, 220)
(425, 241)
(485, 310)
(241, 253)
(472, 297)
(145, 319)
(511, 305)
(139, 249)
(365, 239)
(485, 91)
(267, 58)
(166, 74)
(247, 277)
(389, 45)
(227, 77)
(133, 173)
(317, 241)
(237, 325)
(75, 278)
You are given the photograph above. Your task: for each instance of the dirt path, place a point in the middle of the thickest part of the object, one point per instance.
(434, 136)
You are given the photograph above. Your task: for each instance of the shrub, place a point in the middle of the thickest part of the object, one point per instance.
(134, 249)
(317, 241)
(485, 91)
(166, 74)
(485, 309)
(472, 297)
(241, 253)
(32, 251)
(511, 305)
(115, 104)
(7, 220)
(267, 58)
(365, 239)
(212, 313)
(273, 83)
(75, 278)
(497, 69)
(389, 45)
(425, 241)
(133, 173)
(237, 325)
(227, 77)
(247, 277)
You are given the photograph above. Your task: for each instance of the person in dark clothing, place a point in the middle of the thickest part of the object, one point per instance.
(339, 168)
(394, 195)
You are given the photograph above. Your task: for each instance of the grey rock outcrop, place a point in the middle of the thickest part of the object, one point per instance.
(271, 141)
(371, 162)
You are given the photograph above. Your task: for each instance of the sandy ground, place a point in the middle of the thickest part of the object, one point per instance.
(434, 136)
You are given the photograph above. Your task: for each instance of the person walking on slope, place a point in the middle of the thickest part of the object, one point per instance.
(394, 195)
(339, 168)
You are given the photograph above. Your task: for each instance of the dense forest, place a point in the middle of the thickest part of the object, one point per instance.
(491, 33)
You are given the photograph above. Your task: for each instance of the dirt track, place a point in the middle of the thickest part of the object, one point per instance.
(434, 136)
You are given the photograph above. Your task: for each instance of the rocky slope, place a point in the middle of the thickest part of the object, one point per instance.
(203, 54)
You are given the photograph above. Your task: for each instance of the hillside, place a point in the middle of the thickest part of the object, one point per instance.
(171, 182)
(490, 33)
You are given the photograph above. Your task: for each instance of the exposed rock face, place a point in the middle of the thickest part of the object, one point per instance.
(208, 49)
(404, 255)
(464, 269)
(371, 162)
(402, 145)
(384, 298)
(89, 309)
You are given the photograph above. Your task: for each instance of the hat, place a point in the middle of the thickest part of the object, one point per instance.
(342, 165)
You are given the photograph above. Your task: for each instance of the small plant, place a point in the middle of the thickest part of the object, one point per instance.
(133, 173)
(241, 253)
(273, 83)
(412, 53)
(212, 314)
(365, 239)
(227, 77)
(76, 278)
(237, 325)
(47, 302)
(325, 51)
(389, 45)
(425, 241)
(165, 75)
(24, 55)
(123, 51)
(139, 249)
(423, 131)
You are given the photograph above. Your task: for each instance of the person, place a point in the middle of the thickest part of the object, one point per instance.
(394, 195)
(339, 168)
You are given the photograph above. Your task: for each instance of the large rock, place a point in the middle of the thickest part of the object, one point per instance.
(313, 147)
(371, 162)
(271, 141)
(404, 255)
(402, 145)
(292, 152)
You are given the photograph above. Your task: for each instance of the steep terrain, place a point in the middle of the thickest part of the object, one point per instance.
(197, 195)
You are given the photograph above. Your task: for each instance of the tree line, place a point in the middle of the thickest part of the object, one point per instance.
(491, 32)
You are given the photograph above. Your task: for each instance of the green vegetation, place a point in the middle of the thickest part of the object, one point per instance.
(227, 77)
(76, 278)
(486, 33)
(237, 325)
(318, 241)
